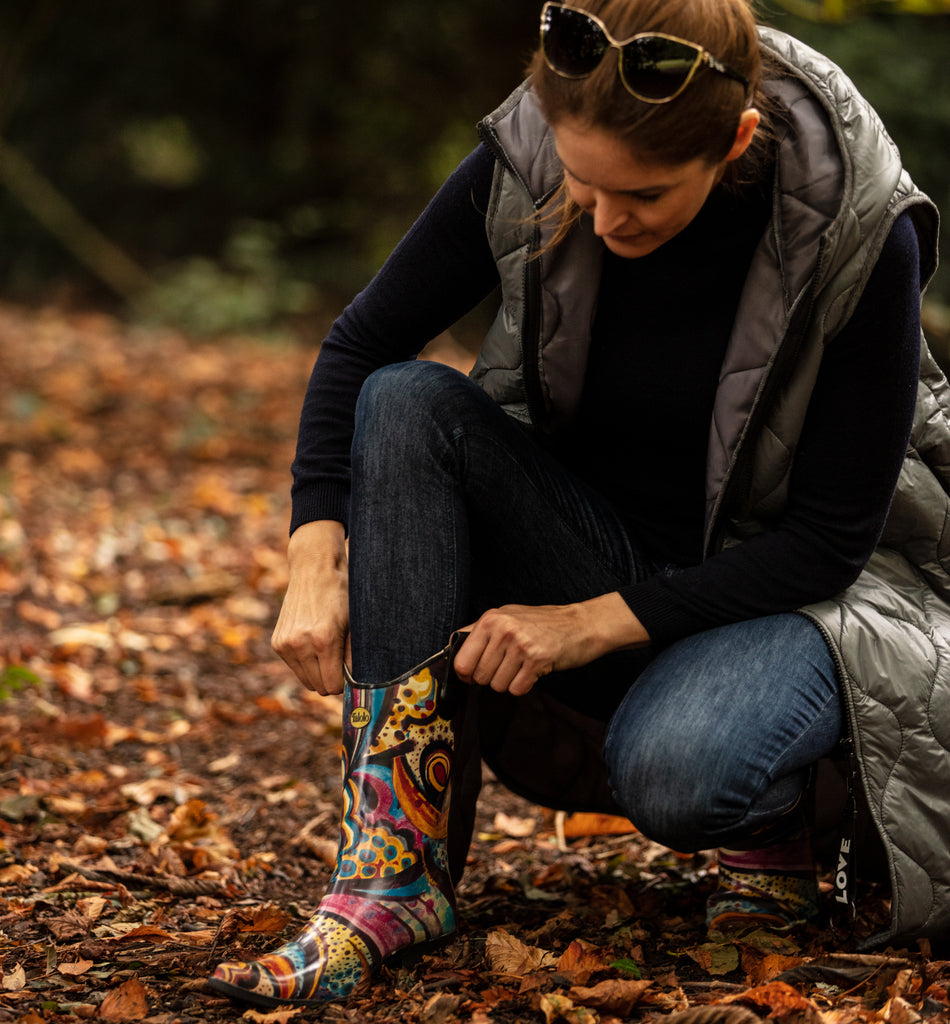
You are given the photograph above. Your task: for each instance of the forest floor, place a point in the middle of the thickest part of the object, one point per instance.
(169, 795)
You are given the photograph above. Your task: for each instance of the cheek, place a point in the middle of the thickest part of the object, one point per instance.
(671, 218)
(584, 197)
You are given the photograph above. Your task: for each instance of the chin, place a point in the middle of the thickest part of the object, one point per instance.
(631, 248)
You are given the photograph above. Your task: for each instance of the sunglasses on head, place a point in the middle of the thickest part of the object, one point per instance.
(653, 66)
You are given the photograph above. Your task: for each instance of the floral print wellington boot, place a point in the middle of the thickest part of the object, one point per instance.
(391, 888)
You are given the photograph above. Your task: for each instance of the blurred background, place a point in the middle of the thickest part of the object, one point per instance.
(244, 165)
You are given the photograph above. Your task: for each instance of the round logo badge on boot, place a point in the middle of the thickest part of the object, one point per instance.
(359, 718)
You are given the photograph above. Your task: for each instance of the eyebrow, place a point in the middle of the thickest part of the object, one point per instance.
(651, 190)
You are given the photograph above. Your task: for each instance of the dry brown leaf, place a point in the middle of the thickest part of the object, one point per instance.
(589, 824)
(508, 955)
(87, 845)
(13, 981)
(554, 1006)
(65, 807)
(275, 1017)
(37, 615)
(580, 960)
(615, 995)
(715, 957)
(517, 828)
(76, 968)
(16, 873)
(558, 1007)
(150, 791)
(192, 820)
(267, 920)
(146, 931)
(782, 1001)
(92, 907)
(762, 969)
(127, 1002)
(440, 1008)
(899, 1011)
(69, 926)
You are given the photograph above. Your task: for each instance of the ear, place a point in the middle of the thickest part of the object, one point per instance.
(748, 122)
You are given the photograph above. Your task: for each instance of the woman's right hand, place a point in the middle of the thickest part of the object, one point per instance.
(313, 630)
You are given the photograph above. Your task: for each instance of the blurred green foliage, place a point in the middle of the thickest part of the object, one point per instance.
(184, 129)
(900, 64)
(259, 158)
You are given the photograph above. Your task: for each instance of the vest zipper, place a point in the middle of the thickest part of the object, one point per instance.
(844, 911)
(530, 338)
(740, 472)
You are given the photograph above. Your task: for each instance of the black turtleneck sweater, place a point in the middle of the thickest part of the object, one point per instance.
(641, 433)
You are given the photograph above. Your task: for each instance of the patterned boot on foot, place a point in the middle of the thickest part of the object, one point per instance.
(774, 888)
(391, 888)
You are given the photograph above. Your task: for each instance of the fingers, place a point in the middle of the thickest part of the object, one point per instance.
(315, 658)
(504, 650)
(312, 632)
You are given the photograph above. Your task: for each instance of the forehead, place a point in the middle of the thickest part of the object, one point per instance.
(594, 156)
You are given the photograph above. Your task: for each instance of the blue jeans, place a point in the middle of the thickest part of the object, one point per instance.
(456, 509)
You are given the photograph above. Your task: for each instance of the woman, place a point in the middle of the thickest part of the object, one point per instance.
(659, 520)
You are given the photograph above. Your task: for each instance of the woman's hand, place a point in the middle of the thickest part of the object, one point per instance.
(512, 647)
(313, 631)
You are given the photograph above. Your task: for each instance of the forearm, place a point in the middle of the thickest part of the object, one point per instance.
(607, 623)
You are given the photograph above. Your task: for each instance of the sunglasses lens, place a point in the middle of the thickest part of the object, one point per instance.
(657, 68)
(572, 43)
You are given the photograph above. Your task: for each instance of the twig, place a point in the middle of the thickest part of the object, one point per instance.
(167, 883)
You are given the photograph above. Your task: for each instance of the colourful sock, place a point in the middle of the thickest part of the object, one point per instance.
(775, 887)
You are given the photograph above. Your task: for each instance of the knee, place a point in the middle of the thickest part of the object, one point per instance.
(388, 393)
(403, 399)
(673, 796)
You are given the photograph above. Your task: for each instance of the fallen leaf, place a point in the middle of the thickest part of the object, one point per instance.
(614, 995)
(267, 920)
(579, 961)
(508, 955)
(761, 969)
(16, 873)
(127, 1002)
(76, 968)
(69, 927)
(440, 1008)
(554, 1006)
(264, 920)
(899, 1011)
(518, 828)
(15, 980)
(146, 931)
(585, 823)
(715, 958)
(781, 1000)
(277, 1017)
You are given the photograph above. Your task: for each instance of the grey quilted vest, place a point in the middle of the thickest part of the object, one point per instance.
(839, 187)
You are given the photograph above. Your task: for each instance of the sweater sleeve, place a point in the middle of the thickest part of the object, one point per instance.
(441, 269)
(849, 457)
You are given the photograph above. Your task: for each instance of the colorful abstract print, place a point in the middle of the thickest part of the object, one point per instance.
(391, 888)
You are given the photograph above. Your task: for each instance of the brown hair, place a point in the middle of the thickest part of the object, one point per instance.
(701, 122)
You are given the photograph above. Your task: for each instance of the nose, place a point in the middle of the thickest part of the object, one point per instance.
(609, 214)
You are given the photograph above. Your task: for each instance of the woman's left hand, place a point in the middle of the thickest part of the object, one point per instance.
(512, 647)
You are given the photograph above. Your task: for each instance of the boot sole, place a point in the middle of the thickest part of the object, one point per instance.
(409, 956)
(264, 1002)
